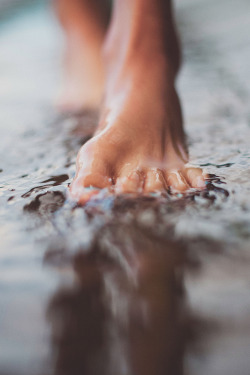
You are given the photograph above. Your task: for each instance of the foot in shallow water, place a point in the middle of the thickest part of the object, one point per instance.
(139, 145)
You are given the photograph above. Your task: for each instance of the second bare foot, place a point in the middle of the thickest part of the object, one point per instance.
(84, 23)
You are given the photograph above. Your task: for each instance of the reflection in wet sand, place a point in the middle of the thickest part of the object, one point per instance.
(125, 313)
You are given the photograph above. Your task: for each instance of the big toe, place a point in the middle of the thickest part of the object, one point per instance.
(91, 175)
(86, 186)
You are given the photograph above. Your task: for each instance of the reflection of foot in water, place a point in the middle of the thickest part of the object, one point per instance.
(139, 144)
(125, 313)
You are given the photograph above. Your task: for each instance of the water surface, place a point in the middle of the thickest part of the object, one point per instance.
(125, 286)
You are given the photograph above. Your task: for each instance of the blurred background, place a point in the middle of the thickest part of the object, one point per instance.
(124, 286)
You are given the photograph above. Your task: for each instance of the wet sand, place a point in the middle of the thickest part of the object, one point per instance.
(125, 285)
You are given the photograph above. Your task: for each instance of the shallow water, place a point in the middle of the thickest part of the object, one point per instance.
(125, 286)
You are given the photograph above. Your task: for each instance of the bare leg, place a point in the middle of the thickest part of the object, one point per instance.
(139, 145)
(84, 23)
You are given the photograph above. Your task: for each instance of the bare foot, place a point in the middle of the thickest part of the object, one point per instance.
(139, 145)
(84, 23)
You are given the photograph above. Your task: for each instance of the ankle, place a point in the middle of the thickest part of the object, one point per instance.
(144, 50)
(142, 65)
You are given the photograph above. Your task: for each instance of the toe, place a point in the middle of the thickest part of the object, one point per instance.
(155, 181)
(130, 183)
(92, 174)
(86, 186)
(195, 177)
(85, 195)
(94, 180)
(176, 181)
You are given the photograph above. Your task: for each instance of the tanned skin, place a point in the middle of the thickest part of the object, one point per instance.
(126, 66)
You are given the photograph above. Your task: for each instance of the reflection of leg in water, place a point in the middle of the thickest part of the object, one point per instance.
(77, 316)
(84, 23)
(157, 344)
(125, 314)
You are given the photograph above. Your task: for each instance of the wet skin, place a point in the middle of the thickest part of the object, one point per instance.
(139, 145)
